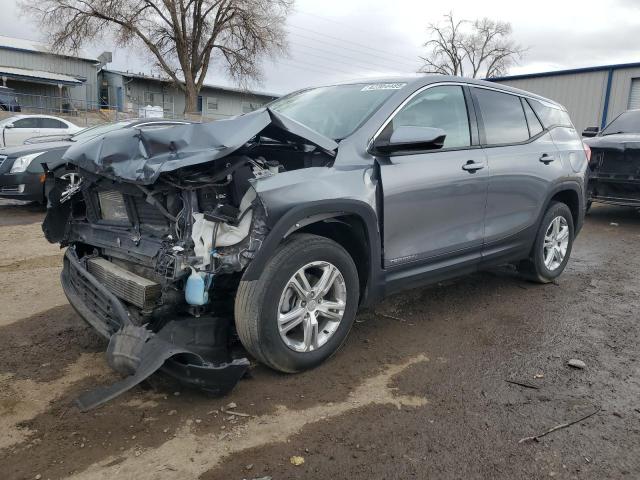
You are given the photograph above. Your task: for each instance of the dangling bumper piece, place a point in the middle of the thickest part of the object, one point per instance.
(191, 350)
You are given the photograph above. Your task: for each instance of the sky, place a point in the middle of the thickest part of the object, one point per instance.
(333, 40)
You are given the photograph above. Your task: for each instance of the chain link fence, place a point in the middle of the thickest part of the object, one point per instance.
(87, 113)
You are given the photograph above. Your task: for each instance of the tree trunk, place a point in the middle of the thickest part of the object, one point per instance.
(190, 97)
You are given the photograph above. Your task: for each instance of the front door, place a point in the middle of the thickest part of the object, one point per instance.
(434, 201)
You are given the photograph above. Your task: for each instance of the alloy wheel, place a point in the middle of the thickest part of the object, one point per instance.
(556, 243)
(311, 306)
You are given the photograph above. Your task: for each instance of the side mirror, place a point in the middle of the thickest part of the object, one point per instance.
(410, 139)
(9, 125)
(590, 131)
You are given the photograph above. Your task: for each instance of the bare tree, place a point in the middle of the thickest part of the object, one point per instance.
(182, 36)
(480, 48)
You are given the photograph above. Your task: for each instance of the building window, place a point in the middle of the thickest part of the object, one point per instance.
(168, 104)
(250, 106)
(212, 104)
(634, 94)
(153, 98)
(199, 105)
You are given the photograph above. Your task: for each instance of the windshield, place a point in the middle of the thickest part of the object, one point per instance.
(91, 132)
(628, 122)
(335, 111)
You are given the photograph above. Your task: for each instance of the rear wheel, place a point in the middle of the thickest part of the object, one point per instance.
(300, 310)
(553, 245)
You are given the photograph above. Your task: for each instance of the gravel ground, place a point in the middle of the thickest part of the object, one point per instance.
(420, 390)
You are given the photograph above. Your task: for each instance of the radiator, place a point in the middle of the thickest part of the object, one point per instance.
(124, 284)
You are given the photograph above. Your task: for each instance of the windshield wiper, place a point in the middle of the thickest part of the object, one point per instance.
(613, 133)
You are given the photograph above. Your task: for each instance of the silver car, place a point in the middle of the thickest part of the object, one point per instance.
(280, 224)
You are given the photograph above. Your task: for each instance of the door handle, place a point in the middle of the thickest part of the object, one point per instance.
(547, 159)
(471, 166)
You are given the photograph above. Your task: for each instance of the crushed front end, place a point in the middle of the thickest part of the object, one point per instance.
(158, 236)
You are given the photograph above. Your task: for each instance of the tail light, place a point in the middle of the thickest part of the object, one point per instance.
(587, 150)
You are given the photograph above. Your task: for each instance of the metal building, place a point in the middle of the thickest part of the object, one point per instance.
(129, 92)
(593, 96)
(46, 80)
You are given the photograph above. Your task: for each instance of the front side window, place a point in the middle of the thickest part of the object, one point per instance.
(502, 116)
(439, 107)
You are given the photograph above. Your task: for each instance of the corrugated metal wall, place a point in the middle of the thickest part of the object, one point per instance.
(55, 64)
(229, 103)
(581, 93)
(620, 91)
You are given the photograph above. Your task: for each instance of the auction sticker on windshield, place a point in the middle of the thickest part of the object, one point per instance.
(383, 86)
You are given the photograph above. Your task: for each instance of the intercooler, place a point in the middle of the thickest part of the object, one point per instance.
(124, 284)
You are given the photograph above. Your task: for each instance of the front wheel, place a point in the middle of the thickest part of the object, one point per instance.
(552, 247)
(300, 310)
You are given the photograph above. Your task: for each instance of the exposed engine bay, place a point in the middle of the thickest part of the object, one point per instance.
(159, 227)
(615, 170)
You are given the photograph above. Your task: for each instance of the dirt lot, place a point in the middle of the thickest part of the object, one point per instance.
(419, 391)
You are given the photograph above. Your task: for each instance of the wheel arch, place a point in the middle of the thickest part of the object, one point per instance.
(351, 223)
(570, 199)
(569, 193)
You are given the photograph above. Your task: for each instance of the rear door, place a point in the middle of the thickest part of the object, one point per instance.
(523, 161)
(434, 201)
(53, 126)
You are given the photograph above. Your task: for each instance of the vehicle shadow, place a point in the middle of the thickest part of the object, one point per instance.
(608, 214)
(16, 212)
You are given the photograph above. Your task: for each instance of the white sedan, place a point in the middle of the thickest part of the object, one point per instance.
(15, 130)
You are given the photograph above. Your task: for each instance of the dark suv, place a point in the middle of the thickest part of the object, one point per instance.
(278, 225)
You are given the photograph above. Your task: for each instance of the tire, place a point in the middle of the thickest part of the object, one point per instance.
(259, 304)
(589, 205)
(535, 268)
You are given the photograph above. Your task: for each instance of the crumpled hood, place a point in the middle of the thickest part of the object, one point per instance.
(140, 156)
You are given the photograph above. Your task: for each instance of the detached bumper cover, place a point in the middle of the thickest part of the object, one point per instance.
(192, 350)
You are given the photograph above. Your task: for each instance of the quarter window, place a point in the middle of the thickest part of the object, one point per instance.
(502, 116)
(551, 115)
(439, 107)
(535, 127)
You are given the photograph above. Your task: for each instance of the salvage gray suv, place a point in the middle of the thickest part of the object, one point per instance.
(276, 226)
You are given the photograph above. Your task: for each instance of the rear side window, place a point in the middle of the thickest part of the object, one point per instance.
(551, 116)
(51, 123)
(502, 116)
(440, 107)
(535, 127)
